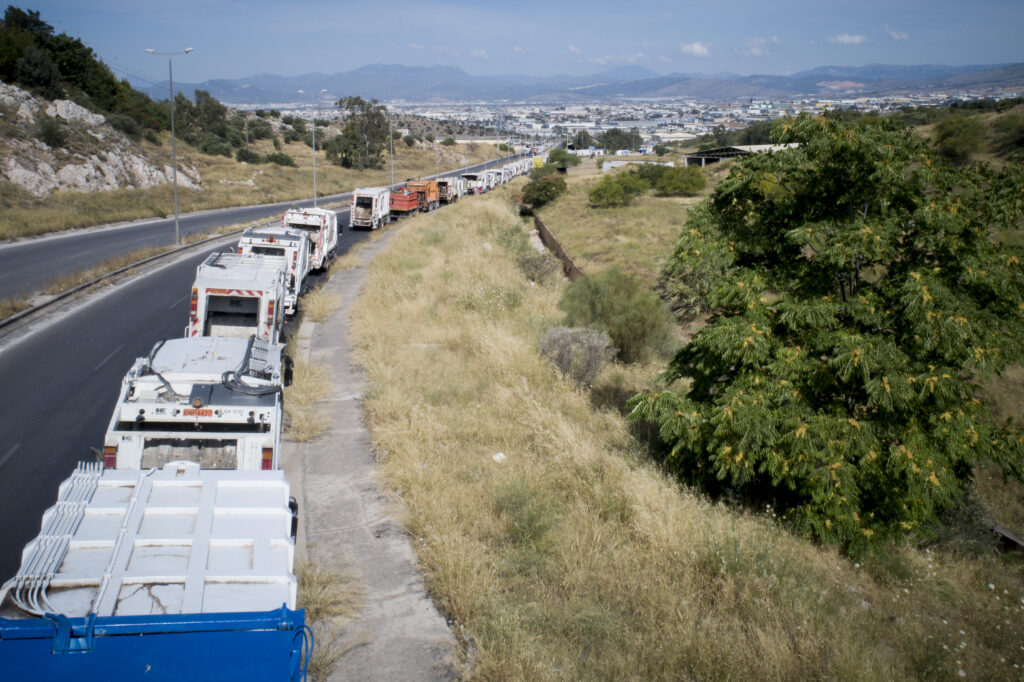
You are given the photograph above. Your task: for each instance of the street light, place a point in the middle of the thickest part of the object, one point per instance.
(174, 150)
(391, 137)
(312, 99)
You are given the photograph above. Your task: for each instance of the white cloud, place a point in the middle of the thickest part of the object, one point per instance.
(517, 48)
(573, 49)
(416, 46)
(895, 33)
(848, 39)
(759, 47)
(479, 54)
(695, 49)
(663, 58)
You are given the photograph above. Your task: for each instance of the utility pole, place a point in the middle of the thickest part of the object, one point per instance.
(391, 137)
(174, 149)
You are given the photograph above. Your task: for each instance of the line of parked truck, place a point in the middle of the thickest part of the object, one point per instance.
(182, 537)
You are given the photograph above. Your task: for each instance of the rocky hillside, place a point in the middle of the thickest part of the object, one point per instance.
(49, 146)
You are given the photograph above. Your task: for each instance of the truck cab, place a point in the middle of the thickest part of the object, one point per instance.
(238, 295)
(371, 207)
(293, 246)
(321, 225)
(211, 400)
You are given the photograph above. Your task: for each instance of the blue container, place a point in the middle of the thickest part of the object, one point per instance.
(254, 647)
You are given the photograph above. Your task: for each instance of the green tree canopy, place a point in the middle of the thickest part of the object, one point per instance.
(616, 138)
(865, 295)
(363, 137)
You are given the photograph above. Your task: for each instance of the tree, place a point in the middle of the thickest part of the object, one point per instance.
(582, 140)
(864, 296)
(660, 149)
(409, 140)
(448, 142)
(617, 190)
(364, 135)
(616, 138)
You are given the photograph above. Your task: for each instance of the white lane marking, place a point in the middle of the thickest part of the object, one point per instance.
(7, 455)
(80, 253)
(178, 301)
(107, 359)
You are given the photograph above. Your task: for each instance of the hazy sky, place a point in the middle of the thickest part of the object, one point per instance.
(235, 38)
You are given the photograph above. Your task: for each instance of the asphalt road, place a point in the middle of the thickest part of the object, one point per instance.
(61, 383)
(26, 265)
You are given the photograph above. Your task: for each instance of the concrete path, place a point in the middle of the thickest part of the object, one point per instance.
(347, 521)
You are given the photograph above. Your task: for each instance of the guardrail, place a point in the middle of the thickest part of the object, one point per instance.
(36, 309)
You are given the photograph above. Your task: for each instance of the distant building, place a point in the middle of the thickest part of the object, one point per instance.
(715, 155)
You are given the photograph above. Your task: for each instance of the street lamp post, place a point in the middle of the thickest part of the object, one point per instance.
(315, 103)
(391, 138)
(174, 149)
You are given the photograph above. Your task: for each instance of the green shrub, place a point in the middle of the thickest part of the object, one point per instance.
(618, 303)
(681, 181)
(151, 136)
(126, 124)
(409, 140)
(650, 173)
(246, 156)
(579, 354)
(660, 149)
(544, 190)
(51, 132)
(957, 137)
(290, 135)
(617, 190)
(1011, 134)
(279, 158)
(543, 171)
(560, 157)
(448, 141)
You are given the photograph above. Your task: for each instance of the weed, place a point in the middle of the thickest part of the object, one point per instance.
(579, 354)
(320, 304)
(306, 420)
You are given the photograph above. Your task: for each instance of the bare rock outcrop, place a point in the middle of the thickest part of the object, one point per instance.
(111, 161)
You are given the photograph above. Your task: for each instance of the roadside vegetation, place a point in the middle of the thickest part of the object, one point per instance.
(564, 552)
(225, 183)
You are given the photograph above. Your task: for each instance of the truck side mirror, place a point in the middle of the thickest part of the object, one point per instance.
(289, 369)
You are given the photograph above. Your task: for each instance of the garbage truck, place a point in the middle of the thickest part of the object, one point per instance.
(293, 246)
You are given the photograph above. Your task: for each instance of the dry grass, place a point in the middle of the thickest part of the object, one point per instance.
(65, 282)
(305, 418)
(319, 304)
(225, 183)
(12, 306)
(637, 238)
(331, 597)
(571, 557)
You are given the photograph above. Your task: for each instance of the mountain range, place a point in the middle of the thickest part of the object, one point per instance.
(452, 84)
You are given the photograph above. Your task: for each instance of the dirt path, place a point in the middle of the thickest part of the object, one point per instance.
(347, 521)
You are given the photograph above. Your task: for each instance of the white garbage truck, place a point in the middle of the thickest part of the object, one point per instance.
(321, 225)
(371, 207)
(293, 245)
(211, 400)
(238, 295)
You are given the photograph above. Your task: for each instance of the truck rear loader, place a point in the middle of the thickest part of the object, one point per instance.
(167, 574)
(212, 400)
(238, 295)
(293, 246)
(321, 224)
(371, 207)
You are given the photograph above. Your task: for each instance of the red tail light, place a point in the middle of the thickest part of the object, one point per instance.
(109, 456)
(194, 305)
(270, 313)
(267, 463)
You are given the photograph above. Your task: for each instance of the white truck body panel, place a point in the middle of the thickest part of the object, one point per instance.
(371, 207)
(174, 540)
(493, 178)
(322, 226)
(451, 188)
(476, 183)
(211, 400)
(238, 295)
(293, 245)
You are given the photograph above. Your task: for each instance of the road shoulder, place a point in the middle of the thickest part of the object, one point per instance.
(349, 522)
